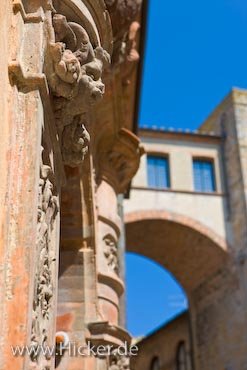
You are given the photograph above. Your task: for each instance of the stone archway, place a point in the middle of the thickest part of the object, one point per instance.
(178, 243)
(200, 260)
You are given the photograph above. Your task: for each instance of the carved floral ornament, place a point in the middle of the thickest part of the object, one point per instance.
(74, 70)
(45, 269)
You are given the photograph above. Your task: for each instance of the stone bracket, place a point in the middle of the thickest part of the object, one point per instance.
(32, 80)
(37, 17)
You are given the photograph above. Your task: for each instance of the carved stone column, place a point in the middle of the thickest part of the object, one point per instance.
(117, 162)
(78, 59)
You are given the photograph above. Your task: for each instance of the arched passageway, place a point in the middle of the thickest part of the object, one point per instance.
(189, 250)
(157, 315)
(200, 260)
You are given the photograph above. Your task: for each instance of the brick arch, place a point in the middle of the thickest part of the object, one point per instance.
(187, 248)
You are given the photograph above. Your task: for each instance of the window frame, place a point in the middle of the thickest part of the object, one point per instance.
(155, 362)
(159, 155)
(212, 161)
(181, 344)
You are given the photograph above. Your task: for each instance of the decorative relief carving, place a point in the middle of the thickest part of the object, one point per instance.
(132, 55)
(123, 13)
(118, 362)
(120, 163)
(132, 52)
(44, 274)
(74, 74)
(111, 253)
(75, 141)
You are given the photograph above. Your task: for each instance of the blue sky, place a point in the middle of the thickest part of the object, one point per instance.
(153, 297)
(196, 52)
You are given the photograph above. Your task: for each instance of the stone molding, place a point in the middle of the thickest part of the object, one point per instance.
(104, 333)
(183, 220)
(112, 280)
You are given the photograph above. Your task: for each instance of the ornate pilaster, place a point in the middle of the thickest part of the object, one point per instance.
(44, 301)
(58, 65)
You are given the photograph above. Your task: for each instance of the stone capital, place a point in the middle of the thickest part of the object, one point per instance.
(120, 161)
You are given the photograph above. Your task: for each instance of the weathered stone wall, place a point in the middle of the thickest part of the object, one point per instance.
(25, 186)
(163, 344)
(220, 305)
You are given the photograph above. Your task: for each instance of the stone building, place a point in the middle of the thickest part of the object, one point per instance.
(69, 72)
(187, 212)
(166, 348)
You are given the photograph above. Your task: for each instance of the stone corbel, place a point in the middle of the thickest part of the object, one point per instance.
(121, 161)
(74, 69)
(36, 17)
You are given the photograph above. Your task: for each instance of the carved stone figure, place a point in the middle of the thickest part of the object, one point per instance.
(111, 253)
(75, 142)
(118, 362)
(66, 70)
(74, 76)
(123, 13)
(132, 52)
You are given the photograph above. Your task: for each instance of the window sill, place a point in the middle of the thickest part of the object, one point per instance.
(169, 190)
